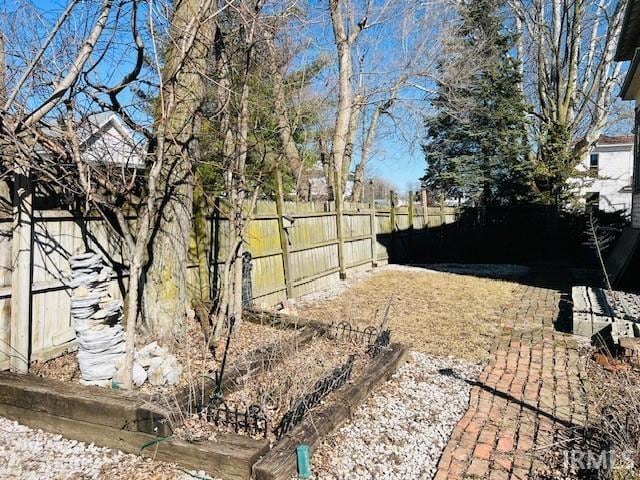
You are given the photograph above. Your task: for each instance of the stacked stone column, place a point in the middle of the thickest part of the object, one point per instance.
(97, 319)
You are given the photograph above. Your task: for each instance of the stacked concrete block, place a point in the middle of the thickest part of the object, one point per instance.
(599, 311)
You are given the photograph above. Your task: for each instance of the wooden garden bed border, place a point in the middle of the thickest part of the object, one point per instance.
(280, 462)
(113, 419)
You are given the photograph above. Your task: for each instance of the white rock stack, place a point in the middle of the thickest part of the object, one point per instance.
(97, 319)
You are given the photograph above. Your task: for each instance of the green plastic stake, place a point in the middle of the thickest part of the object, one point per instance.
(304, 462)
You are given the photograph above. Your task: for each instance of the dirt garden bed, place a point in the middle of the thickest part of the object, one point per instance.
(279, 369)
(191, 350)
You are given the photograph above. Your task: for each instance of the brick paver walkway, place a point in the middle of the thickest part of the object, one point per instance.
(532, 388)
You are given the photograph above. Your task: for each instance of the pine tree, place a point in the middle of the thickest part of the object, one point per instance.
(476, 140)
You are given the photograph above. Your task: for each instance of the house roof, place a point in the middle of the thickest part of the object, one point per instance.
(615, 140)
(629, 38)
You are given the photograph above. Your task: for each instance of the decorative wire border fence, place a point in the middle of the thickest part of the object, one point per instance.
(346, 331)
(321, 389)
(377, 341)
(254, 420)
(251, 420)
(382, 341)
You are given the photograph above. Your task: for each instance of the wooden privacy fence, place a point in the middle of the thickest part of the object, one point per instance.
(55, 235)
(296, 248)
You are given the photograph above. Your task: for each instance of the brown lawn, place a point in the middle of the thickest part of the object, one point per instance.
(437, 313)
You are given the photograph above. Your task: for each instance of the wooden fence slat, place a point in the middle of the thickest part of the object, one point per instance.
(21, 275)
(284, 241)
(373, 227)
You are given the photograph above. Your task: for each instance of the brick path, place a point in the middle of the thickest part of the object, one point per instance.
(532, 386)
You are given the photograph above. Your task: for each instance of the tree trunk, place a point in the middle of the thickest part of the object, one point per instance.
(285, 131)
(365, 152)
(341, 130)
(132, 308)
(182, 94)
(351, 140)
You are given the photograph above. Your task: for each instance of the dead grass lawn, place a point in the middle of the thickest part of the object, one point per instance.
(437, 313)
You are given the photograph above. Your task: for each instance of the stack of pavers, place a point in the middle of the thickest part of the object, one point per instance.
(97, 319)
(596, 310)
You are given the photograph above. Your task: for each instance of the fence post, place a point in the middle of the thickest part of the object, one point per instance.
(392, 220)
(411, 213)
(21, 246)
(284, 240)
(425, 208)
(443, 217)
(424, 242)
(337, 193)
(374, 227)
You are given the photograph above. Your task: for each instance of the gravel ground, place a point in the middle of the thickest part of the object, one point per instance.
(28, 454)
(400, 432)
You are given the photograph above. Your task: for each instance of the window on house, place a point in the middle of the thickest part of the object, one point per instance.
(594, 159)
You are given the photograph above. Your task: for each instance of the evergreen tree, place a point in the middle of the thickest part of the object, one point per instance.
(476, 140)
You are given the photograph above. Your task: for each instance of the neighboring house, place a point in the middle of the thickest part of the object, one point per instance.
(106, 139)
(606, 174)
(629, 49)
(318, 184)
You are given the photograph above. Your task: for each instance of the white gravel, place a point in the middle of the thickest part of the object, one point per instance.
(401, 431)
(34, 454)
(29, 454)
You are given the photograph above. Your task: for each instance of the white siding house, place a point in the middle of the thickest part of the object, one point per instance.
(108, 141)
(318, 184)
(628, 48)
(607, 174)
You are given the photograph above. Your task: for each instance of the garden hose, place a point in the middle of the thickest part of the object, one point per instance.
(155, 441)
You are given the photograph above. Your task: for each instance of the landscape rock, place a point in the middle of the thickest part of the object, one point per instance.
(96, 316)
(155, 375)
(400, 433)
(172, 376)
(139, 374)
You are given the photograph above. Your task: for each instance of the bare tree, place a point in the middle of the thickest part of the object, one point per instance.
(346, 30)
(45, 137)
(380, 60)
(181, 96)
(570, 73)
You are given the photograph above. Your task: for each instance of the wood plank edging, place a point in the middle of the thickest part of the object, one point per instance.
(280, 462)
(229, 456)
(94, 405)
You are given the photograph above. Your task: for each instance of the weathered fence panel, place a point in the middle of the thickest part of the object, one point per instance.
(56, 236)
(312, 242)
(5, 286)
(311, 235)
